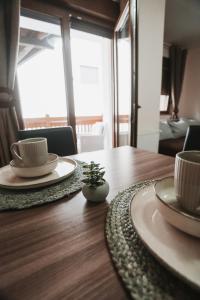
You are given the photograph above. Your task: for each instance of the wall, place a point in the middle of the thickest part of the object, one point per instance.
(190, 96)
(151, 16)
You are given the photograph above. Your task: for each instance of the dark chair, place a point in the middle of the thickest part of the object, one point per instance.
(192, 139)
(60, 139)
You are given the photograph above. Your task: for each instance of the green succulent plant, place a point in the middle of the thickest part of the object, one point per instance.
(93, 174)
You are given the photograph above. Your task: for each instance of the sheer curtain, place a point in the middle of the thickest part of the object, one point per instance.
(9, 42)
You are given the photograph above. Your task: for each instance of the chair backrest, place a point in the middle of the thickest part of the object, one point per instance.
(192, 139)
(60, 139)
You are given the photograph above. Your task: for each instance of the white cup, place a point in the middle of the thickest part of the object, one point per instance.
(31, 152)
(187, 179)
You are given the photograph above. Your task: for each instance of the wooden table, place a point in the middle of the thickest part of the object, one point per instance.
(58, 250)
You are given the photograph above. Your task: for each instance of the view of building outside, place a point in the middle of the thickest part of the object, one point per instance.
(88, 74)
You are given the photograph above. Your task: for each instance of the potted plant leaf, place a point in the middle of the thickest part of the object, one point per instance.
(95, 188)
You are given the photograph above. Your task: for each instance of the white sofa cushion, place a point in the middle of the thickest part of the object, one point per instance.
(179, 128)
(165, 131)
(171, 129)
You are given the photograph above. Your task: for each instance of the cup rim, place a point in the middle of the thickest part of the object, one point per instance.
(186, 160)
(32, 140)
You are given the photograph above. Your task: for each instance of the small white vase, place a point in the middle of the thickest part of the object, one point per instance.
(97, 194)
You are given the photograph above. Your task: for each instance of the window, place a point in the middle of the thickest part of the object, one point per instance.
(164, 101)
(41, 74)
(165, 87)
(87, 64)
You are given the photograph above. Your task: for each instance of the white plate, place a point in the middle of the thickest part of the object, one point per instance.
(64, 169)
(171, 210)
(178, 251)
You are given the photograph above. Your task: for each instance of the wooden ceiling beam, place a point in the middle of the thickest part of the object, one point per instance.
(29, 55)
(41, 44)
(23, 52)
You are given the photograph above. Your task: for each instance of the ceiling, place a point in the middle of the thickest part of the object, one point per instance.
(182, 23)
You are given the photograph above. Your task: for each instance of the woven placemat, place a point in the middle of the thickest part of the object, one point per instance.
(141, 273)
(20, 199)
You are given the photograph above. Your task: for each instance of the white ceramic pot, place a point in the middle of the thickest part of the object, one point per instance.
(97, 194)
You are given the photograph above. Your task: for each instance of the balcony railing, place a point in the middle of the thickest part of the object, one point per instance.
(83, 124)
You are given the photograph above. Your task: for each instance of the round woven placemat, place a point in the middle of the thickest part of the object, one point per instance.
(141, 273)
(20, 199)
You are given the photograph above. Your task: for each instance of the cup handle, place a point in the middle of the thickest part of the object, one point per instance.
(13, 151)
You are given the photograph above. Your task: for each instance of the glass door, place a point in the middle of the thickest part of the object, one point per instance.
(125, 121)
(91, 70)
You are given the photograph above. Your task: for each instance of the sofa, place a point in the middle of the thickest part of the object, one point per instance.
(172, 135)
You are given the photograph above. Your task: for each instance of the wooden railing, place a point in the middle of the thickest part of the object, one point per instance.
(83, 124)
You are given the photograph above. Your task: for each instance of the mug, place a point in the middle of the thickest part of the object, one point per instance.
(187, 179)
(31, 152)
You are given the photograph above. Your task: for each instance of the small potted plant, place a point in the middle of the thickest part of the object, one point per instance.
(95, 187)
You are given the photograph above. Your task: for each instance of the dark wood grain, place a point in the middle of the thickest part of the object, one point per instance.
(105, 9)
(102, 12)
(58, 250)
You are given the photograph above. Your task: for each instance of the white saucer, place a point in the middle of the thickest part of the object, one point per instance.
(178, 251)
(64, 169)
(171, 210)
(29, 172)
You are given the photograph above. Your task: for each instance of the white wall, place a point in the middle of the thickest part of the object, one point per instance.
(151, 16)
(190, 96)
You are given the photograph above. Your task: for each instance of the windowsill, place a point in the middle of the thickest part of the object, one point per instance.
(164, 113)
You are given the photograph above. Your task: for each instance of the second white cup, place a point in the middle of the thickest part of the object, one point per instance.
(187, 179)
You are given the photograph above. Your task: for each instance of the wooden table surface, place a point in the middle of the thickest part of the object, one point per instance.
(58, 250)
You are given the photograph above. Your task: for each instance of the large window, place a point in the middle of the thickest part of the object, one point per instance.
(41, 74)
(85, 102)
